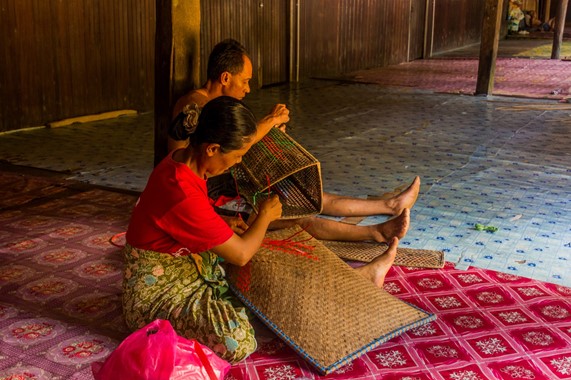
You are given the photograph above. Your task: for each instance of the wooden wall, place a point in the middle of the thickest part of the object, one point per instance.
(338, 36)
(67, 58)
(457, 23)
(262, 26)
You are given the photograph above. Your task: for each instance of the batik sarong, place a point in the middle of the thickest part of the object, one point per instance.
(191, 292)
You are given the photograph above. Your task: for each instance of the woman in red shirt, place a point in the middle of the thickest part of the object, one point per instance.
(175, 239)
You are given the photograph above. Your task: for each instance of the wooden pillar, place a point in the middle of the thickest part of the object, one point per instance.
(559, 29)
(177, 61)
(186, 46)
(429, 28)
(491, 26)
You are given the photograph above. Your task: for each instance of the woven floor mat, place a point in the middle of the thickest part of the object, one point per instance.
(326, 311)
(367, 252)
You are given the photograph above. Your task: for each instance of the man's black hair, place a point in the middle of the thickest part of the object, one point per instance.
(227, 55)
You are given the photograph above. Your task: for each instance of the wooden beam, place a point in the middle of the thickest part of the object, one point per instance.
(186, 47)
(547, 10)
(177, 62)
(491, 26)
(559, 29)
(429, 28)
(163, 54)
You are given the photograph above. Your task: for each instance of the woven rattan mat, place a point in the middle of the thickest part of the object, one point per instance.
(367, 252)
(316, 303)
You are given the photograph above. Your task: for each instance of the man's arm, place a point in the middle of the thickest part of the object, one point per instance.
(278, 115)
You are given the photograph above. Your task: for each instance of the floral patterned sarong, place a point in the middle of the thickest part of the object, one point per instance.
(192, 293)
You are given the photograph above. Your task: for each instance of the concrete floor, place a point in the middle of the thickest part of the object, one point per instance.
(494, 161)
(497, 161)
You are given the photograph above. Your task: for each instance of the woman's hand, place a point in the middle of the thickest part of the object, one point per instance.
(236, 224)
(271, 208)
(238, 250)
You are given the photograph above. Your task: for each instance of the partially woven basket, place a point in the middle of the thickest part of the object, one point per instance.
(279, 164)
(325, 310)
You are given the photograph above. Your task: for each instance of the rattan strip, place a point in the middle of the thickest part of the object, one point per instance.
(321, 307)
(367, 252)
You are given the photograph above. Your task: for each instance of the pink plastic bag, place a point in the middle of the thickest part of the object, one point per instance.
(156, 352)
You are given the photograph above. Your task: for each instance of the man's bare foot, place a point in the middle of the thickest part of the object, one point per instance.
(395, 227)
(377, 269)
(406, 198)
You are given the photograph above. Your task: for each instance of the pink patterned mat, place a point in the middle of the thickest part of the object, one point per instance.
(60, 277)
(521, 77)
(60, 309)
(489, 325)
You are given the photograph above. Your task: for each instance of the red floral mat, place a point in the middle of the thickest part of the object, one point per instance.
(530, 78)
(489, 325)
(60, 308)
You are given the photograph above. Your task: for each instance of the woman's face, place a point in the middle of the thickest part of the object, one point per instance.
(223, 161)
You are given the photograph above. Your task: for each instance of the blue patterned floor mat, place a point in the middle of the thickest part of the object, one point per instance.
(496, 161)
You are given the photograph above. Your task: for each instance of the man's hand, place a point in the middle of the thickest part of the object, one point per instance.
(279, 115)
(236, 224)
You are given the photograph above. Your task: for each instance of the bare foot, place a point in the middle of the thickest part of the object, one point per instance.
(406, 198)
(377, 269)
(395, 227)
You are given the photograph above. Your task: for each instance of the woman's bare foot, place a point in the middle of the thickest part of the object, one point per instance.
(406, 198)
(395, 227)
(377, 269)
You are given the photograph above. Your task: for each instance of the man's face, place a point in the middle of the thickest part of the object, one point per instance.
(239, 84)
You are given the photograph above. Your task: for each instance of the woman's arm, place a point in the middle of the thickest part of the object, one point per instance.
(238, 250)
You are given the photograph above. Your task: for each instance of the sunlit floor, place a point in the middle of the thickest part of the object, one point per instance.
(497, 161)
(501, 162)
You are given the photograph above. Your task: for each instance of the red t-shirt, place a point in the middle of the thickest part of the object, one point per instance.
(174, 212)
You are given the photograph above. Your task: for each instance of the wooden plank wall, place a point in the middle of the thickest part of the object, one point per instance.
(274, 41)
(67, 58)
(457, 23)
(339, 36)
(417, 38)
(222, 19)
(262, 26)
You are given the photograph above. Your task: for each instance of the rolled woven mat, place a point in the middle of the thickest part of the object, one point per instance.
(367, 252)
(320, 306)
